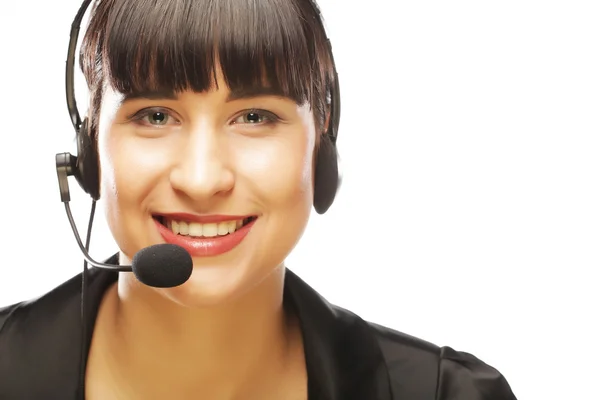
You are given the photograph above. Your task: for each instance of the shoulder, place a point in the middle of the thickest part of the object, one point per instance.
(40, 342)
(354, 358)
(24, 316)
(28, 313)
(6, 312)
(43, 319)
(439, 373)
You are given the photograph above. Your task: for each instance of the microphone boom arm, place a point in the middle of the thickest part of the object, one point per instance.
(65, 166)
(120, 268)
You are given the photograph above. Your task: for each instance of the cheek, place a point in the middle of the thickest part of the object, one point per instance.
(130, 166)
(280, 172)
(132, 169)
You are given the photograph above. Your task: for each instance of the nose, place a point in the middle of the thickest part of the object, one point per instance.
(203, 171)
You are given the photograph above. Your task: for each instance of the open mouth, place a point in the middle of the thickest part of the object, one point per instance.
(203, 230)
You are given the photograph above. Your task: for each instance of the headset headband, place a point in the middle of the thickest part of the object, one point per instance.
(70, 74)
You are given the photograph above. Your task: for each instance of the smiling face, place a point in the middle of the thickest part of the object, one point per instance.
(194, 169)
(190, 153)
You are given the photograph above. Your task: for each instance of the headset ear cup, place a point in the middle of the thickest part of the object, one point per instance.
(86, 172)
(327, 178)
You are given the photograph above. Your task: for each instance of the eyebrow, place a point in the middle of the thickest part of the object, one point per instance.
(150, 95)
(252, 92)
(238, 94)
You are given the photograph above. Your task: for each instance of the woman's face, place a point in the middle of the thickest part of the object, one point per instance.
(225, 175)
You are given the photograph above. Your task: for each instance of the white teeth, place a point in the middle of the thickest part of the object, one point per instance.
(223, 228)
(195, 229)
(184, 228)
(231, 226)
(210, 230)
(204, 230)
(174, 225)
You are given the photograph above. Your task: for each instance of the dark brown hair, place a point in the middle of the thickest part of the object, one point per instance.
(176, 45)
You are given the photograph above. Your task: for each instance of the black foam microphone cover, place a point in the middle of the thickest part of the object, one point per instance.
(162, 265)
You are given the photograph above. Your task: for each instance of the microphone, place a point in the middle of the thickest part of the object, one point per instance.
(160, 265)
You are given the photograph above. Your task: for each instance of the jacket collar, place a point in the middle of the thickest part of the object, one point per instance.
(344, 360)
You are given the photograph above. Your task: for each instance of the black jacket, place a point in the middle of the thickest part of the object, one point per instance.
(346, 357)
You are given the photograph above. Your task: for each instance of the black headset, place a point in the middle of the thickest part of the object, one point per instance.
(85, 166)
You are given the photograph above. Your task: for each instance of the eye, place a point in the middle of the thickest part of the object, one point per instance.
(256, 117)
(154, 117)
(157, 118)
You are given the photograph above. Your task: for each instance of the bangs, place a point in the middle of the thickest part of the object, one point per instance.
(178, 45)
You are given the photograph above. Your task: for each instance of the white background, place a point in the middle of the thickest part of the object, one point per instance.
(470, 209)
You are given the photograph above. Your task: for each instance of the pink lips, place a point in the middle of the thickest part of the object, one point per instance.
(205, 246)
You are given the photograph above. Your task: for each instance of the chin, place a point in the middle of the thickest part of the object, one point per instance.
(211, 286)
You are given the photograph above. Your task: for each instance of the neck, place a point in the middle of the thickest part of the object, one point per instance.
(227, 346)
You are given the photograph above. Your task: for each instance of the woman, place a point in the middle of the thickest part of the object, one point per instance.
(213, 125)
